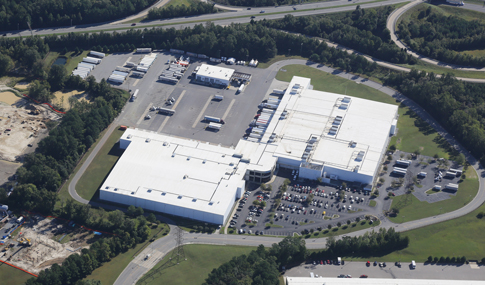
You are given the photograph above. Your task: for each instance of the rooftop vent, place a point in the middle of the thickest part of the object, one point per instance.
(107, 187)
(360, 156)
(163, 193)
(179, 197)
(165, 143)
(188, 158)
(132, 193)
(352, 144)
(149, 190)
(129, 136)
(205, 160)
(356, 169)
(194, 200)
(116, 189)
(148, 140)
(211, 203)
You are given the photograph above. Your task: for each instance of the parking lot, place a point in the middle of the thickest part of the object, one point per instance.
(422, 271)
(295, 214)
(397, 184)
(191, 101)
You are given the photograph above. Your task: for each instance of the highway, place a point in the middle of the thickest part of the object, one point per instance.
(159, 248)
(226, 18)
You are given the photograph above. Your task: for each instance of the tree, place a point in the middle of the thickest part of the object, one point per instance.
(40, 91)
(139, 211)
(291, 250)
(131, 211)
(57, 77)
(460, 159)
(6, 64)
(152, 218)
(430, 258)
(30, 57)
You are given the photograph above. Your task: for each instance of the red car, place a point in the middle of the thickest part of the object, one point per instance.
(363, 276)
(321, 262)
(368, 263)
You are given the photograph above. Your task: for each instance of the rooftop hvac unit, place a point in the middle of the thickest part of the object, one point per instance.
(356, 169)
(344, 106)
(346, 100)
(360, 156)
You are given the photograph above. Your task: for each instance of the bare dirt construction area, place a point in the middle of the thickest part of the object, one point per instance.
(62, 98)
(22, 125)
(51, 241)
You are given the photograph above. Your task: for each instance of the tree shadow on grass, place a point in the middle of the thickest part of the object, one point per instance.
(422, 125)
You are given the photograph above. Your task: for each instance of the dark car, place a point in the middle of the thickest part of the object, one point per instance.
(134, 24)
(363, 276)
(341, 276)
(252, 17)
(249, 8)
(375, 263)
(368, 263)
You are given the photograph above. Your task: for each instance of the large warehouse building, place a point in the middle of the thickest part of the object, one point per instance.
(323, 135)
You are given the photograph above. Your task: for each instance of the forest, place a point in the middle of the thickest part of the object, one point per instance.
(181, 11)
(362, 29)
(261, 266)
(17, 15)
(456, 105)
(443, 37)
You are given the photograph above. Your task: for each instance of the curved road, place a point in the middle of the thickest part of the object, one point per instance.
(391, 25)
(241, 16)
(159, 248)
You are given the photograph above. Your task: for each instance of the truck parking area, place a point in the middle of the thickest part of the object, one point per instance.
(431, 178)
(191, 101)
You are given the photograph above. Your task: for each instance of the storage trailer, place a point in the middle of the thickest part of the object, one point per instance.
(166, 111)
(405, 163)
(278, 91)
(214, 126)
(213, 119)
(97, 53)
(143, 50)
(92, 60)
(135, 94)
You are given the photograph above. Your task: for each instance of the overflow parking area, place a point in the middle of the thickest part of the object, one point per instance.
(191, 101)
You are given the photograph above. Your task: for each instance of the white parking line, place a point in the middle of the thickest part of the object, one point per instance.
(136, 82)
(144, 114)
(202, 111)
(174, 106)
(228, 109)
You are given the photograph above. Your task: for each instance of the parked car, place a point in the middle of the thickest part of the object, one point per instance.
(363, 276)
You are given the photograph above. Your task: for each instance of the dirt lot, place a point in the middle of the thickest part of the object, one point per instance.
(44, 234)
(19, 127)
(62, 98)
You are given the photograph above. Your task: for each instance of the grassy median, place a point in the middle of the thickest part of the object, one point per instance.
(201, 260)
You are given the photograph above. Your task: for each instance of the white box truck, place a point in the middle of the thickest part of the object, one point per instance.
(413, 264)
(339, 260)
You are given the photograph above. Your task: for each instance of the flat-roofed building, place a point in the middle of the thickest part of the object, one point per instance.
(214, 75)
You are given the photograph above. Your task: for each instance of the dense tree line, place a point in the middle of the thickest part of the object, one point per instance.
(51, 13)
(259, 3)
(362, 29)
(369, 244)
(26, 54)
(181, 11)
(457, 105)
(443, 37)
(261, 265)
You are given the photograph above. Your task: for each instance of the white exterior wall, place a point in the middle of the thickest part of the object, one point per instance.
(166, 208)
(308, 173)
(289, 163)
(348, 175)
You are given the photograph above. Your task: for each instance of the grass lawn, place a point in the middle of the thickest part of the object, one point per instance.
(50, 58)
(277, 58)
(74, 59)
(459, 237)
(428, 67)
(476, 52)
(12, 276)
(344, 229)
(432, 191)
(372, 203)
(324, 81)
(198, 266)
(109, 271)
(410, 208)
(413, 133)
(100, 167)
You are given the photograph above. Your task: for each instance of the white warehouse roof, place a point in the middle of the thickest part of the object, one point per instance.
(361, 133)
(177, 172)
(216, 72)
(319, 133)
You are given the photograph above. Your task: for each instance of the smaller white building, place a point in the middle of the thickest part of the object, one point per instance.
(214, 74)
